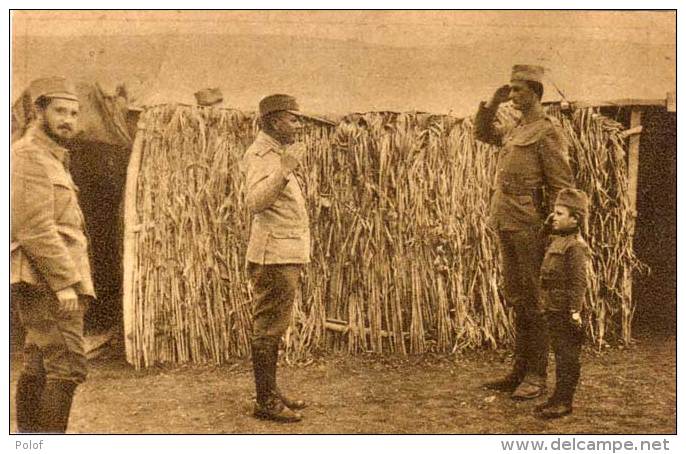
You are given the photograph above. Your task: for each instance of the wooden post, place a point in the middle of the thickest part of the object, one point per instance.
(633, 157)
(634, 142)
(130, 234)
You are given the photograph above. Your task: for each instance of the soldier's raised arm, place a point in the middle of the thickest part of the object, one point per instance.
(485, 127)
(266, 176)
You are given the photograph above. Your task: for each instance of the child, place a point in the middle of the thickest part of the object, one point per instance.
(563, 286)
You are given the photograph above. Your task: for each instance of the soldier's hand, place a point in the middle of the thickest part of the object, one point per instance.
(68, 299)
(500, 96)
(292, 157)
(576, 320)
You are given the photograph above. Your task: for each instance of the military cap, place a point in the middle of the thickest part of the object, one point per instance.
(281, 102)
(574, 199)
(278, 103)
(533, 73)
(53, 87)
(209, 96)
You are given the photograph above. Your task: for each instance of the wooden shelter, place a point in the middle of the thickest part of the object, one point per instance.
(135, 318)
(165, 71)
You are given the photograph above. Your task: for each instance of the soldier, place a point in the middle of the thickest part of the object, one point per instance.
(279, 245)
(50, 270)
(532, 168)
(563, 286)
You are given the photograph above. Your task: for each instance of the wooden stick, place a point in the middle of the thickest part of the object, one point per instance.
(130, 222)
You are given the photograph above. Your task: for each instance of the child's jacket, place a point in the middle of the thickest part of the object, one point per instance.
(563, 273)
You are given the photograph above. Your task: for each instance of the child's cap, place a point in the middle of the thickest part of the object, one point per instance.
(574, 199)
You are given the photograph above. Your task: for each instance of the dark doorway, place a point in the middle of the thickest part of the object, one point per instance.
(99, 170)
(655, 235)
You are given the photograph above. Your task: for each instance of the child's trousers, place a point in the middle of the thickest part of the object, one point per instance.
(565, 339)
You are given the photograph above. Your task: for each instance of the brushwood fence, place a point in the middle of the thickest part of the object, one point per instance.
(403, 260)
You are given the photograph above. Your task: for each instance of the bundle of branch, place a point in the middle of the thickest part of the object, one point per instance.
(598, 158)
(403, 260)
(403, 256)
(191, 295)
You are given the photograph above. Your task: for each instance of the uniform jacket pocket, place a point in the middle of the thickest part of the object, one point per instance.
(67, 211)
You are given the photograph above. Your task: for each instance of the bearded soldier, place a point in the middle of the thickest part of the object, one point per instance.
(50, 270)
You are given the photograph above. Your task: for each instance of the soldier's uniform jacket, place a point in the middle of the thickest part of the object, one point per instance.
(280, 231)
(48, 240)
(563, 273)
(532, 167)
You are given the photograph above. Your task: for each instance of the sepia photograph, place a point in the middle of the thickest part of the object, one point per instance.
(343, 222)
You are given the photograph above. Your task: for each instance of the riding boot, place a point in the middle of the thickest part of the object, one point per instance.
(268, 405)
(260, 362)
(56, 405)
(292, 403)
(28, 402)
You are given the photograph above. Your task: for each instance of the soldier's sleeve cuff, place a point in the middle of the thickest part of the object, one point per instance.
(483, 105)
(61, 284)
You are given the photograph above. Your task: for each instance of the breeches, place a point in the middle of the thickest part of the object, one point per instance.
(522, 255)
(274, 289)
(53, 345)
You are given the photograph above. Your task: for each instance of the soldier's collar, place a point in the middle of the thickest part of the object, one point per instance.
(534, 118)
(567, 232)
(58, 151)
(268, 143)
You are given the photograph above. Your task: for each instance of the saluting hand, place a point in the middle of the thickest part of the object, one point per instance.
(293, 156)
(500, 96)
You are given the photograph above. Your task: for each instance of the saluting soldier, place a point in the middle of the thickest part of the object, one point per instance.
(50, 270)
(279, 245)
(532, 168)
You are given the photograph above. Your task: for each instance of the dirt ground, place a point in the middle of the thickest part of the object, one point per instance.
(623, 391)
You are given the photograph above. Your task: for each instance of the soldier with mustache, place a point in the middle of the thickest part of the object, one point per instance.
(50, 270)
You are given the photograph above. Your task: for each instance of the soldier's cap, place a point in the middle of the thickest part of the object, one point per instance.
(574, 199)
(282, 102)
(53, 87)
(533, 73)
(209, 96)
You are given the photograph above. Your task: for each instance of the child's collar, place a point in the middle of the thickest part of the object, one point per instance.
(566, 232)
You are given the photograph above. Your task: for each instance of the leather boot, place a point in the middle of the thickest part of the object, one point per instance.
(506, 384)
(268, 405)
(56, 405)
(510, 382)
(260, 362)
(28, 402)
(531, 387)
(292, 403)
(556, 410)
(554, 399)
